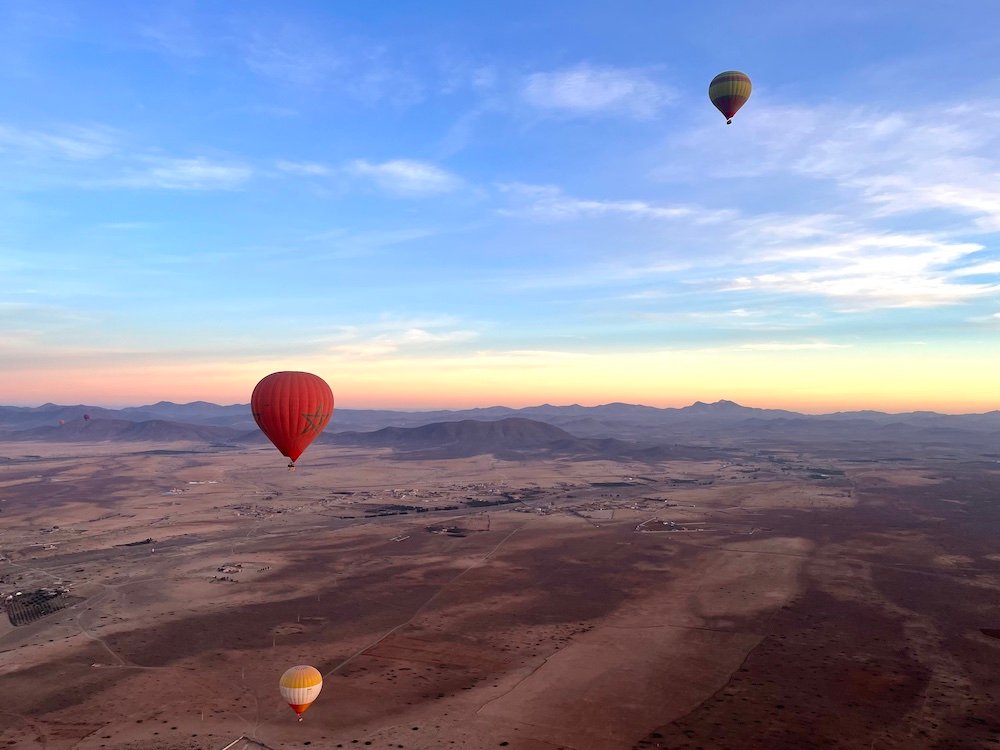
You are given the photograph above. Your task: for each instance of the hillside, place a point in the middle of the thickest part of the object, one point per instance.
(511, 437)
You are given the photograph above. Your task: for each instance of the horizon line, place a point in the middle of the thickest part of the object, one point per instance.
(512, 408)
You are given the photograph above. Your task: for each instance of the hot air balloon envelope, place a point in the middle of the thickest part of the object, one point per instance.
(300, 686)
(729, 91)
(86, 417)
(292, 408)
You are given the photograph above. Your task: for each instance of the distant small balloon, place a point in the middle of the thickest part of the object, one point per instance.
(62, 422)
(300, 686)
(729, 91)
(86, 417)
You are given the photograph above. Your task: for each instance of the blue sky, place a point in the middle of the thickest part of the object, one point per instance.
(448, 204)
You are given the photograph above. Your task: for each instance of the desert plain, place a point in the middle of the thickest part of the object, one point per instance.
(730, 598)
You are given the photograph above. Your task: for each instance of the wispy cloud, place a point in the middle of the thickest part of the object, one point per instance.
(345, 243)
(781, 346)
(407, 177)
(126, 226)
(72, 142)
(602, 275)
(24, 325)
(940, 158)
(738, 313)
(398, 336)
(843, 260)
(980, 269)
(873, 271)
(988, 320)
(977, 195)
(97, 156)
(586, 89)
(549, 202)
(287, 47)
(289, 52)
(303, 168)
(945, 159)
(183, 174)
(935, 165)
(459, 75)
(175, 33)
(378, 76)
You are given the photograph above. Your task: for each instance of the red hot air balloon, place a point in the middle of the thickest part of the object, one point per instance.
(292, 408)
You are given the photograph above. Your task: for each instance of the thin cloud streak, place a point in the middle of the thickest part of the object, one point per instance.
(407, 177)
(306, 168)
(586, 89)
(288, 52)
(863, 271)
(396, 336)
(777, 346)
(550, 203)
(184, 174)
(71, 142)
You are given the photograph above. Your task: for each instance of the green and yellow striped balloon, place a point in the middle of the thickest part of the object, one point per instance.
(729, 91)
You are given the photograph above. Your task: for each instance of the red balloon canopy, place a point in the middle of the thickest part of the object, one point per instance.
(292, 408)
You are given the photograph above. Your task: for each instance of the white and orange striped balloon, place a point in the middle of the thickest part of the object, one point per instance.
(300, 686)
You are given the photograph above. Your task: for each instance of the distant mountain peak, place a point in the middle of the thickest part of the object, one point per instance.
(720, 405)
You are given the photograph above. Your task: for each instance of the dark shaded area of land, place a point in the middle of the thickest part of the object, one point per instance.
(511, 439)
(900, 664)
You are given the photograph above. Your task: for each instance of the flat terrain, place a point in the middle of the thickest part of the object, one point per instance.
(754, 599)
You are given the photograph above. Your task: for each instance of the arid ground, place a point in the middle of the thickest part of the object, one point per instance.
(751, 600)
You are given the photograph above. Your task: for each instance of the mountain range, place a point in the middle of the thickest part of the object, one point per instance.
(616, 429)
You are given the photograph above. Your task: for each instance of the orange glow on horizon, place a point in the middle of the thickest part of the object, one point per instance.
(812, 382)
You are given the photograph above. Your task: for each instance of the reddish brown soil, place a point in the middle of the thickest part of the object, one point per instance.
(903, 665)
(861, 612)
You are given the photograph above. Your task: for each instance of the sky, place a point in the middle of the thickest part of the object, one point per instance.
(452, 204)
